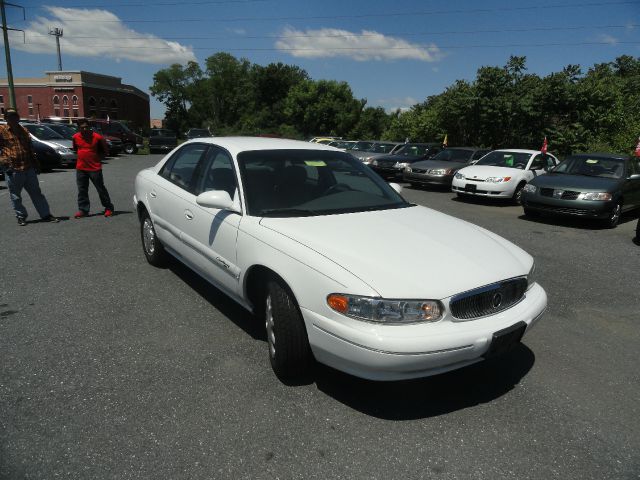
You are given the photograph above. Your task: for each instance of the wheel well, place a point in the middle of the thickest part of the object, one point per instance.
(256, 285)
(141, 210)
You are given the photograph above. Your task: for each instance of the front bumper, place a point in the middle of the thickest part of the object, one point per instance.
(379, 352)
(484, 189)
(574, 208)
(385, 172)
(427, 179)
(68, 159)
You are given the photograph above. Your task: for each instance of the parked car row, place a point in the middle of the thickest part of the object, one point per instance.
(592, 185)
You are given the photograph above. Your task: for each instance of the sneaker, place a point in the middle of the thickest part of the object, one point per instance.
(21, 221)
(80, 214)
(51, 218)
(108, 213)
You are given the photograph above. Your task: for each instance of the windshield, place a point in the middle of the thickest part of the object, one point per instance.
(383, 147)
(592, 166)
(453, 155)
(505, 159)
(43, 133)
(66, 132)
(294, 183)
(161, 133)
(413, 150)
(363, 147)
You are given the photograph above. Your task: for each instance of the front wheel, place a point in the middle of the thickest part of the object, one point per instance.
(289, 351)
(153, 249)
(517, 194)
(130, 148)
(614, 216)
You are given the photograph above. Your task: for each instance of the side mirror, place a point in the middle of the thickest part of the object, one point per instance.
(396, 187)
(219, 199)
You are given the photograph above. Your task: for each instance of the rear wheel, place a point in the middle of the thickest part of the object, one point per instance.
(153, 249)
(289, 351)
(130, 148)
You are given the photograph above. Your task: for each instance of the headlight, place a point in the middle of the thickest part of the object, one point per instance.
(531, 277)
(381, 310)
(530, 188)
(408, 170)
(402, 165)
(460, 176)
(603, 196)
(63, 151)
(374, 162)
(497, 179)
(440, 171)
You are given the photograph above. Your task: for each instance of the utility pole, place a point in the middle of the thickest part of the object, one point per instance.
(7, 54)
(57, 32)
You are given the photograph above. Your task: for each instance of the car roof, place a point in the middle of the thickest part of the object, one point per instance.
(517, 150)
(236, 145)
(615, 156)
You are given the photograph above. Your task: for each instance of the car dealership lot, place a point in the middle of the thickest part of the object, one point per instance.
(114, 369)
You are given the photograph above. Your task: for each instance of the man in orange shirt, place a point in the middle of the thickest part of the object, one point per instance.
(91, 148)
(19, 162)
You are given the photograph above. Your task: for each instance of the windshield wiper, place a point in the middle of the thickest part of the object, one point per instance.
(287, 212)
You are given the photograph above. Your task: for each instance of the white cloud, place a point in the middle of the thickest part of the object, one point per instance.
(99, 33)
(395, 103)
(363, 46)
(608, 39)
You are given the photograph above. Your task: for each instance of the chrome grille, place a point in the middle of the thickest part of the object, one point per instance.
(418, 170)
(488, 300)
(566, 194)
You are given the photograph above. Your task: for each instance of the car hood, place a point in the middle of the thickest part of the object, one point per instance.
(484, 171)
(575, 182)
(412, 252)
(59, 142)
(438, 164)
(363, 154)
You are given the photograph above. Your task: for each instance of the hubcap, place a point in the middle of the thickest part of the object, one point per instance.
(271, 336)
(148, 236)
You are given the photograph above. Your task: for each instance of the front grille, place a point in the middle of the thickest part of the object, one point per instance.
(488, 300)
(386, 164)
(554, 209)
(566, 194)
(418, 170)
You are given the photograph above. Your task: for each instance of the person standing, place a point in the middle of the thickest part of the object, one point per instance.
(19, 161)
(91, 148)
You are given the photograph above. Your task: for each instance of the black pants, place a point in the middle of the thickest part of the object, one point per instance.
(82, 180)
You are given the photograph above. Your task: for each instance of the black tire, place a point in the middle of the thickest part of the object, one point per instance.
(130, 148)
(517, 194)
(530, 213)
(614, 217)
(289, 351)
(151, 246)
(638, 231)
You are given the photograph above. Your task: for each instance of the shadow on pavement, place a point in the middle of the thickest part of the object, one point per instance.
(493, 202)
(432, 396)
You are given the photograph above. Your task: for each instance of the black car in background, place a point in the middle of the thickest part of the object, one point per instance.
(440, 169)
(68, 130)
(589, 185)
(46, 156)
(392, 166)
(162, 140)
(197, 133)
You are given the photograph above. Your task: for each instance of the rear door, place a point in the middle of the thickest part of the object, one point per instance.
(631, 188)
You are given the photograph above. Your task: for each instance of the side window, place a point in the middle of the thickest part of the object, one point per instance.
(181, 168)
(538, 163)
(219, 174)
(634, 166)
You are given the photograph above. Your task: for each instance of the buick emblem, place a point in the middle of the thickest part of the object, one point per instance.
(496, 301)
(558, 193)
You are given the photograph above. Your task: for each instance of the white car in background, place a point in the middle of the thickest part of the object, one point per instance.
(502, 173)
(306, 237)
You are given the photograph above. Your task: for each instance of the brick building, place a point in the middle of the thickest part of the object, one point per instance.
(78, 94)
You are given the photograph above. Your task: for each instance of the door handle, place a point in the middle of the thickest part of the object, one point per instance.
(152, 194)
(222, 262)
(188, 215)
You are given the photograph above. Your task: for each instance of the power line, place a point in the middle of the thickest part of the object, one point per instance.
(156, 4)
(365, 35)
(368, 15)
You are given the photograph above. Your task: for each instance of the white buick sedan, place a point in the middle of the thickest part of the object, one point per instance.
(502, 173)
(307, 238)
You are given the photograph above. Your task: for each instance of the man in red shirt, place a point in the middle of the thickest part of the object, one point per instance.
(91, 148)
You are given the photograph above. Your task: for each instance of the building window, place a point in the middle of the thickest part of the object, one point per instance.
(65, 112)
(74, 100)
(75, 112)
(92, 113)
(114, 104)
(56, 112)
(65, 100)
(31, 111)
(92, 102)
(56, 100)
(1, 98)
(29, 99)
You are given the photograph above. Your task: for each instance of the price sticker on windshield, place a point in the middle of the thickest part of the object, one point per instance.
(592, 161)
(315, 163)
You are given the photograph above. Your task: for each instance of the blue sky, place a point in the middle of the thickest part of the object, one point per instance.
(392, 53)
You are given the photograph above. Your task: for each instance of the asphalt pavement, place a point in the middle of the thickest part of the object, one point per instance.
(113, 369)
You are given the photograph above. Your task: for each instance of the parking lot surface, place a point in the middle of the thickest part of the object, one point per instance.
(111, 368)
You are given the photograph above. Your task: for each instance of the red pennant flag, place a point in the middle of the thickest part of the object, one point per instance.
(544, 146)
(638, 148)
